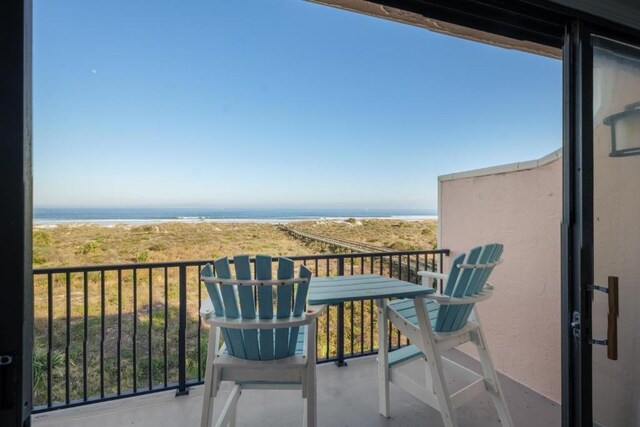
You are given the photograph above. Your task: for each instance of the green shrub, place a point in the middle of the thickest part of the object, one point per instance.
(401, 246)
(38, 259)
(158, 247)
(40, 366)
(87, 248)
(41, 238)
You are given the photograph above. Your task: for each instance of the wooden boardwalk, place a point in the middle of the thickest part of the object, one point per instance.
(349, 245)
(398, 264)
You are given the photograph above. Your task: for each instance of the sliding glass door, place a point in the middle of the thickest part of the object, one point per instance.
(602, 229)
(616, 233)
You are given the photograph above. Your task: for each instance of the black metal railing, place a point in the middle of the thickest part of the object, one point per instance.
(108, 331)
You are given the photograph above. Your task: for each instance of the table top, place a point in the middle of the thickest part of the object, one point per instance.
(337, 289)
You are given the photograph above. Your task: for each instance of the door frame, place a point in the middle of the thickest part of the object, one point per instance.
(500, 17)
(577, 225)
(16, 303)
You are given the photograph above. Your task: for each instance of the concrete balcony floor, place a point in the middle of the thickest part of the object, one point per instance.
(347, 396)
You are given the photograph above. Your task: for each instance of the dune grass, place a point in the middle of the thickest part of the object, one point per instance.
(148, 298)
(92, 244)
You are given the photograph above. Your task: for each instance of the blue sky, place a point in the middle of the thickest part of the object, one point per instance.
(271, 103)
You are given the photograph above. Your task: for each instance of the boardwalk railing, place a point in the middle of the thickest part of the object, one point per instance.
(109, 331)
(336, 244)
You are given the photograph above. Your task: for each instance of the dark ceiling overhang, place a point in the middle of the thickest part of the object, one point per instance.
(617, 12)
(535, 26)
(535, 31)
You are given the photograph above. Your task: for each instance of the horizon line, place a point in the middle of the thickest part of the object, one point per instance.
(256, 207)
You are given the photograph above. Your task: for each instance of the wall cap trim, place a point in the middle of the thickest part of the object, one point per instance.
(503, 169)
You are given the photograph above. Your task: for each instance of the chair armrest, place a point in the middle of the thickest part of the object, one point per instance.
(314, 311)
(275, 323)
(206, 308)
(433, 274)
(426, 275)
(486, 292)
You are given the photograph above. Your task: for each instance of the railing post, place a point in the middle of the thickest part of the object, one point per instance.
(182, 334)
(440, 270)
(340, 361)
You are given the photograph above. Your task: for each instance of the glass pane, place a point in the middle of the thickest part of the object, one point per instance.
(616, 85)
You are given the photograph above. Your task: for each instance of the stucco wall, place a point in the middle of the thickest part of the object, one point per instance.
(520, 206)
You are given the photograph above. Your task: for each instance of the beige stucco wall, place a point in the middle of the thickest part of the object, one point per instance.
(520, 206)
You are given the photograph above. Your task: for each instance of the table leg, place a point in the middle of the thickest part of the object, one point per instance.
(383, 358)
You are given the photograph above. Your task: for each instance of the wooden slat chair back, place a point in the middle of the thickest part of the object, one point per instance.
(438, 322)
(236, 299)
(467, 277)
(268, 333)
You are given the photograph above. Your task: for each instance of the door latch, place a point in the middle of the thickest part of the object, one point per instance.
(575, 324)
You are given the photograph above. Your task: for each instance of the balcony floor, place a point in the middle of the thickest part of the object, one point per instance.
(346, 397)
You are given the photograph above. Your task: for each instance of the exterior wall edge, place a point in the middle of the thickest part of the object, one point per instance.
(506, 168)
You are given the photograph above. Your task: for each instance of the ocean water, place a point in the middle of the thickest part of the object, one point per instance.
(112, 216)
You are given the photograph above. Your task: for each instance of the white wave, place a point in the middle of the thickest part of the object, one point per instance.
(43, 223)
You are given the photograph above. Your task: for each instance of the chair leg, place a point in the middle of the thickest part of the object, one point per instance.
(491, 376)
(207, 411)
(383, 360)
(310, 402)
(209, 380)
(233, 415)
(310, 408)
(434, 363)
(229, 411)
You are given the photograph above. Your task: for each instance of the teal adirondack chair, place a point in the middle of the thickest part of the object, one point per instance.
(262, 349)
(442, 322)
